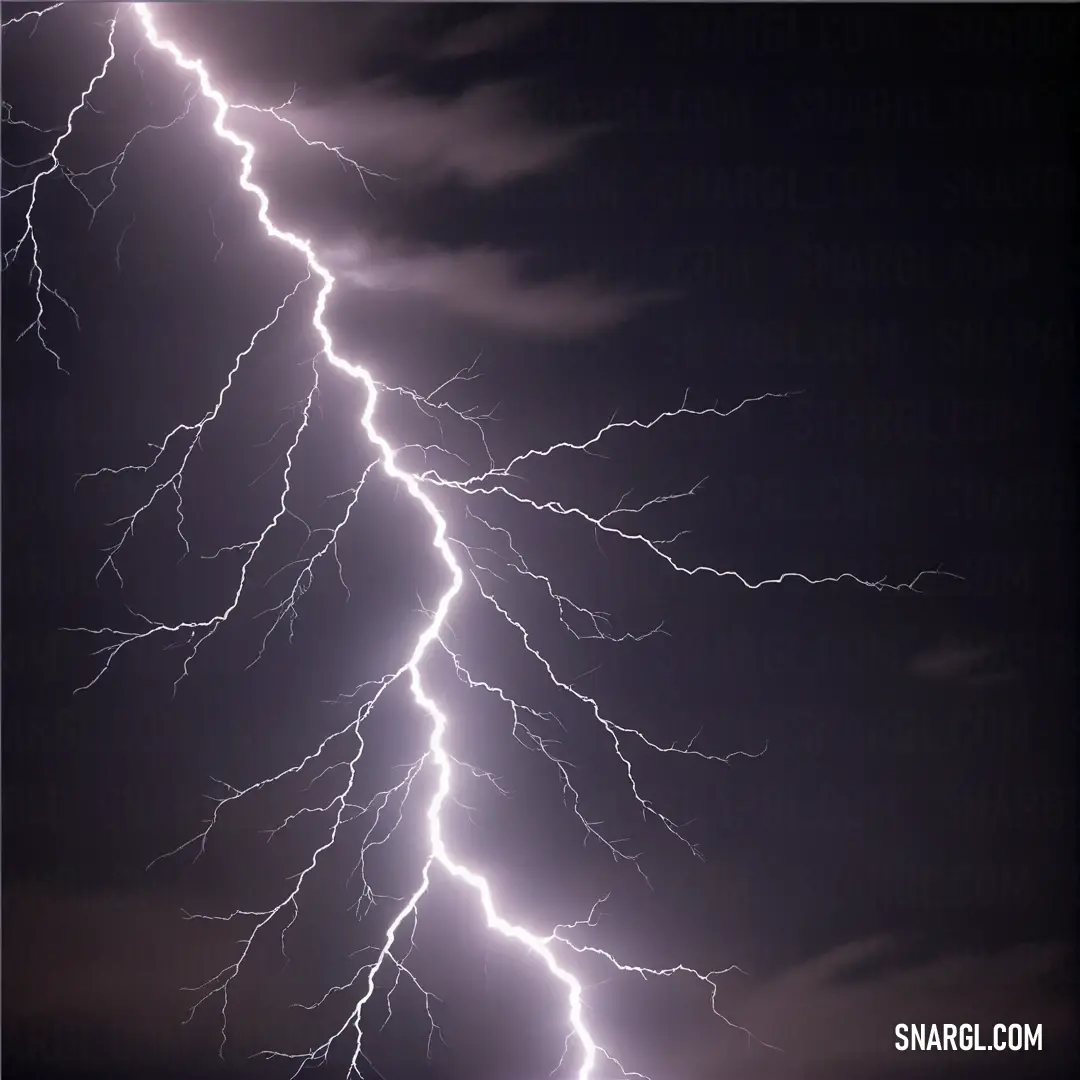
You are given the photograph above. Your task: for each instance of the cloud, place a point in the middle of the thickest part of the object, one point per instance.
(487, 33)
(491, 286)
(114, 963)
(482, 137)
(107, 961)
(315, 44)
(953, 662)
(835, 1015)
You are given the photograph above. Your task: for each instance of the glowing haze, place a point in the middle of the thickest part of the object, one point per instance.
(555, 950)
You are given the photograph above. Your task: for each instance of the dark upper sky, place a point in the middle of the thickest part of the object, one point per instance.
(610, 205)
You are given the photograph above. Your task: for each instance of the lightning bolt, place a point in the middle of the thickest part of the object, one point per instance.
(474, 566)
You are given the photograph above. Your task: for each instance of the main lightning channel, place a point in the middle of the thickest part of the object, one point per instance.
(439, 852)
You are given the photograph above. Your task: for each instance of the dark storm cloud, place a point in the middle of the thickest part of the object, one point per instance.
(840, 1022)
(955, 662)
(483, 137)
(116, 961)
(108, 961)
(834, 1016)
(488, 32)
(490, 286)
(316, 45)
(326, 46)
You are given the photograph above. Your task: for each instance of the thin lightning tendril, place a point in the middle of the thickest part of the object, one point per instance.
(384, 811)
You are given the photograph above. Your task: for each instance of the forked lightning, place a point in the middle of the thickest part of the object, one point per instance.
(465, 567)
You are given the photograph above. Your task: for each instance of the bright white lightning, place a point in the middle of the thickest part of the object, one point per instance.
(437, 758)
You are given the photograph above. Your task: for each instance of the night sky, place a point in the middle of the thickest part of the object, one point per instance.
(609, 206)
